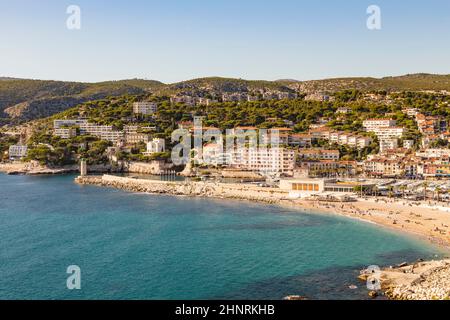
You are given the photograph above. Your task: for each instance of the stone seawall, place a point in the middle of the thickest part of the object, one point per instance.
(202, 189)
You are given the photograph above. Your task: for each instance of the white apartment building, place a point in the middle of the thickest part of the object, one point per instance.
(145, 107)
(388, 144)
(274, 160)
(212, 154)
(155, 146)
(318, 154)
(372, 124)
(65, 133)
(17, 152)
(359, 142)
(388, 132)
(433, 153)
(383, 167)
(94, 129)
(57, 124)
(133, 138)
(113, 136)
(351, 140)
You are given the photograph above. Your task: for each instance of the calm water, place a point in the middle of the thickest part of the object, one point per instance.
(137, 246)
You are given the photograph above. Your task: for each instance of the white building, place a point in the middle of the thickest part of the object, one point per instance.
(433, 153)
(113, 136)
(408, 144)
(213, 154)
(68, 123)
(388, 144)
(318, 154)
(411, 112)
(372, 124)
(17, 152)
(145, 107)
(65, 133)
(388, 132)
(155, 146)
(274, 160)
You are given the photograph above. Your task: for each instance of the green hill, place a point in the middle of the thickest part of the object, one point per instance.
(22, 100)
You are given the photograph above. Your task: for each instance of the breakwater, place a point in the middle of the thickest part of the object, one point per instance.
(190, 188)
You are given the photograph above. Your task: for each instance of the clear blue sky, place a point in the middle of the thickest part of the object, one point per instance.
(173, 40)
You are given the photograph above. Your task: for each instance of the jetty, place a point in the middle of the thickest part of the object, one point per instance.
(210, 189)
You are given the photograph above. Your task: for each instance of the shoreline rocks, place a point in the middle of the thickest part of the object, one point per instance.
(429, 280)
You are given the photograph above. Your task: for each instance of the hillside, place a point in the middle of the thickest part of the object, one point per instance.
(412, 82)
(23, 100)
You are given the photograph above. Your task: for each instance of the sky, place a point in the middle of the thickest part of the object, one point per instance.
(175, 40)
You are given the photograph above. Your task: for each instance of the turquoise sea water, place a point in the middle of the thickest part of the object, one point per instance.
(139, 246)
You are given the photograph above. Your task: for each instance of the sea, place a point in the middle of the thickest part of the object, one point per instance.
(60, 240)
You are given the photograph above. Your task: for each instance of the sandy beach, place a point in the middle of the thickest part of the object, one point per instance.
(416, 218)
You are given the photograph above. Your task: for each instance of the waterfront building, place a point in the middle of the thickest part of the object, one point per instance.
(276, 160)
(17, 152)
(309, 186)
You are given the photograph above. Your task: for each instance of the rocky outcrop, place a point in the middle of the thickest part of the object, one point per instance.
(430, 281)
(41, 108)
(419, 281)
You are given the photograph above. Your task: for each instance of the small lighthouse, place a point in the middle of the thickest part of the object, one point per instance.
(83, 168)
